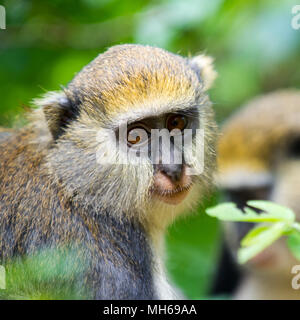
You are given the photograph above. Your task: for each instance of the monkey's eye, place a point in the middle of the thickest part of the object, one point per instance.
(176, 122)
(137, 136)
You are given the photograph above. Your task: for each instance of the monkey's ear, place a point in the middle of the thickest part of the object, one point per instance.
(203, 65)
(58, 111)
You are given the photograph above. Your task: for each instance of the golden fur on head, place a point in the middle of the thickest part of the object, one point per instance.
(127, 77)
(250, 137)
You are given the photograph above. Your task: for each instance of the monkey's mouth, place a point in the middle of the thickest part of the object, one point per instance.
(173, 197)
(168, 191)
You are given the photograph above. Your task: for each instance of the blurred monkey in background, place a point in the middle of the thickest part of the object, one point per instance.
(259, 159)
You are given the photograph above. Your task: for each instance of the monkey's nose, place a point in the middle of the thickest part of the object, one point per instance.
(173, 171)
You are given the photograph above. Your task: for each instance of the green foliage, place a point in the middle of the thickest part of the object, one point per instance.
(277, 221)
(254, 244)
(273, 212)
(48, 274)
(293, 242)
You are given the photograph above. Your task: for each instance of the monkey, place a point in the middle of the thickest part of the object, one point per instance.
(259, 159)
(64, 185)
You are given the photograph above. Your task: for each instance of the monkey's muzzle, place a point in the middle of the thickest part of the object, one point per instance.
(169, 187)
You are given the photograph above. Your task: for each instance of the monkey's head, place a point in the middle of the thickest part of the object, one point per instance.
(105, 126)
(259, 158)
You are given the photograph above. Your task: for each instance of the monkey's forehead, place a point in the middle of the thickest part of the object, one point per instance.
(259, 130)
(126, 76)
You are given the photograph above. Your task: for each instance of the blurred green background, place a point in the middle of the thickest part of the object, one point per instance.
(254, 46)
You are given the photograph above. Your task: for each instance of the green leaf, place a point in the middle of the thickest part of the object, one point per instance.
(263, 240)
(293, 242)
(275, 211)
(229, 212)
(253, 236)
(258, 239)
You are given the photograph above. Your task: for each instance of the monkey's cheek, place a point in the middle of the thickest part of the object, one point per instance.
(173, 199)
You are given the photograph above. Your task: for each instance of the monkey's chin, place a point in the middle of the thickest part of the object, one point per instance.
(173, 198)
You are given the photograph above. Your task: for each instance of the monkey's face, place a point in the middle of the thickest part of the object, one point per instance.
(162, 141)
(140, 133)
(260, 160)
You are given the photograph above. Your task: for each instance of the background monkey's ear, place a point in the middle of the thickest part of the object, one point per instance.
(203, 65)
(58, 111)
